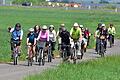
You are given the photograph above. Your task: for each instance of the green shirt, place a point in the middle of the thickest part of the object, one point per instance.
(75, 34)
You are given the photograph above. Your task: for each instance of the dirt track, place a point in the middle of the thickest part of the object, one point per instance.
(11, 72)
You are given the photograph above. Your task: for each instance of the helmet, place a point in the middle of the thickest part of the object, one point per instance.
(76, 24)
(81, 26)
(44, 27)
(31, 30)
(52, 26)
(99, 24)
(103, 25)
(62, 25)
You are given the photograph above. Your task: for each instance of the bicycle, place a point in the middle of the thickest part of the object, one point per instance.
(15, 52)
(64, 52)
(41, 55)
(74, 55)
(30, 55)
(101, 49)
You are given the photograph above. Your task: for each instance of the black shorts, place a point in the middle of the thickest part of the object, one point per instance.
(13, 42)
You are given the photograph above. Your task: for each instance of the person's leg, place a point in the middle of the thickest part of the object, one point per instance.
(12, 45)
(52, 49)
(113, 39)
(34, 51)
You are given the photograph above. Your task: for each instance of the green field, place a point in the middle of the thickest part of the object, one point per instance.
(29, 17)
(101, 69)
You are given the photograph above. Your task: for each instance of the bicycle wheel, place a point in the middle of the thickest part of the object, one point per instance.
(49, 55)
(74, 56)
(15, 58)
(102, 51)
(43, 58)
(40, 57)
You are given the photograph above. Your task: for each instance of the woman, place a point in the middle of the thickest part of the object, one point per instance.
(31, 41)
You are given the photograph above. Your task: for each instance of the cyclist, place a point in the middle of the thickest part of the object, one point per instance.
(16, 37)
(76, 35)
(37, 30)
(99, 27)
(65, 40)
(112, 31)
(85, 35)
(31, 41)
(102, 35)
(52, 38)
(43, 37)
(58, 36)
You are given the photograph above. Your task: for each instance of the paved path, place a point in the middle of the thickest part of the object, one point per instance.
(11, 72)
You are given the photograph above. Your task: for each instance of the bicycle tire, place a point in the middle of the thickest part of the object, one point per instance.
(39, 59)
(15, 60)
(49, 55)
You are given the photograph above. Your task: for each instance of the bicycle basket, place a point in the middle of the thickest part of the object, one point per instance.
(41, 45)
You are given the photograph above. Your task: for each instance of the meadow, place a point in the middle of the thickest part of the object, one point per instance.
(28, 17)
(101, 69)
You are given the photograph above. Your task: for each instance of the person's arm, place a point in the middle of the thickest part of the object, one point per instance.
(27, 39)
(47, 34)
(34, 41)
(21, 35)
(80, 34)
(11, 30)
(96, 33)
(38, 36)
(114, 31)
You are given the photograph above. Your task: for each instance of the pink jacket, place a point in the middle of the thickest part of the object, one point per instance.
(43, 36)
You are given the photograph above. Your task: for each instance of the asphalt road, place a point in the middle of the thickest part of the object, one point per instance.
(11, 72)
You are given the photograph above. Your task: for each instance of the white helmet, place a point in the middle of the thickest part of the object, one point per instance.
(44, 27)
(103, 25)
(75, 24)
(52, 26)
(81, 26)
(31, 30)
(62, 25)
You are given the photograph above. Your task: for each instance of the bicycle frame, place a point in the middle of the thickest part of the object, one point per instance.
(41, 57)
(30, 55)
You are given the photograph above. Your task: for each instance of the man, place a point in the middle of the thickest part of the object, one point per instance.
(52, 38)
(112, 31)
(65, 40)
(76, 35)
(102, 34)
(58, 35)
(16, 37)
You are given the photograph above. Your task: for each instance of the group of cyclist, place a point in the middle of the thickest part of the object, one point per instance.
(103, 33)
(47, 34)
